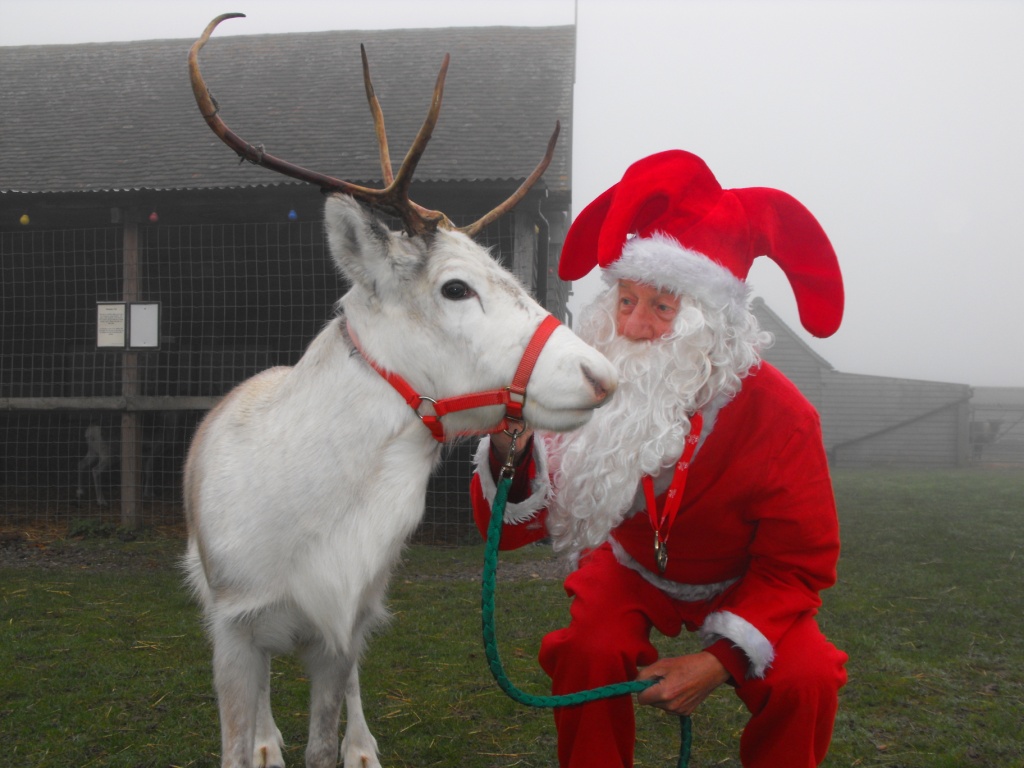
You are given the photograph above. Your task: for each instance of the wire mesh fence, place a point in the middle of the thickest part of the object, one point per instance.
(997, 433)
(234, 299)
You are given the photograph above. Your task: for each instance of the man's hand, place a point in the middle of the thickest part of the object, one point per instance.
(686, 682)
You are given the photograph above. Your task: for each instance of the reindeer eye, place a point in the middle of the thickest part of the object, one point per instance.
(456, 290)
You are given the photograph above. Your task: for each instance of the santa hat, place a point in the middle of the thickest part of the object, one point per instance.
(669, 223)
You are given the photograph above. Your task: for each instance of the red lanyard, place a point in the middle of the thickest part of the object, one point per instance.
(662, 521)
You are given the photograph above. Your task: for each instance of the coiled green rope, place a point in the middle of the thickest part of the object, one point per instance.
(489, 581)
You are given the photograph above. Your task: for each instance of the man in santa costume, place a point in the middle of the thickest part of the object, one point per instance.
(700, 497)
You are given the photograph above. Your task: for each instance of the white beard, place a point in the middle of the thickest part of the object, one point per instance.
(596, 470)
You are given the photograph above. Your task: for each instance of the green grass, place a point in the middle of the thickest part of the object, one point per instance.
(930, 607)
(107, 666)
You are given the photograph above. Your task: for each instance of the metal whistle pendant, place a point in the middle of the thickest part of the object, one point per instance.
(660, 554)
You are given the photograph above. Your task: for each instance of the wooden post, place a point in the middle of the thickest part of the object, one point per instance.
(131, 442)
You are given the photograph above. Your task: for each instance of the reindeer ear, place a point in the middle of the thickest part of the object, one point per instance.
(365, 250)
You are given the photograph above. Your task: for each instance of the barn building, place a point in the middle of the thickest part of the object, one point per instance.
(997, 426)
(113, 189)
(115, 197)
(875, 421)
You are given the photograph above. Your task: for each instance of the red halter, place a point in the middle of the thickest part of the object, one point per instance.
(512, 397)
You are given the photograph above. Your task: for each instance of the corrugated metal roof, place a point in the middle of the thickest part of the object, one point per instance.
(118, 116)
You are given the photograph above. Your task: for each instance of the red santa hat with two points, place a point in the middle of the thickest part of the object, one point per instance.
(669, 223)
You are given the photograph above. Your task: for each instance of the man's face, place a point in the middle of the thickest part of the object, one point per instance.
(643, 312)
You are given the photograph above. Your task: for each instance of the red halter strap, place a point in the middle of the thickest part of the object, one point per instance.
(512, 397)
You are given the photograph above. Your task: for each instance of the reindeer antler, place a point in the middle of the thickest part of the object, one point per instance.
(394, 197)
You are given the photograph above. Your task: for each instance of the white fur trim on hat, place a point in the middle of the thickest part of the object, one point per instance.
(661, 261)
(744, 635)
(525, 510)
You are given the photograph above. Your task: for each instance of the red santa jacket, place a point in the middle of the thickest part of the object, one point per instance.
(757, 535)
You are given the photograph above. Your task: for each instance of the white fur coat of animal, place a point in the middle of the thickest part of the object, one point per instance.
(304, 483)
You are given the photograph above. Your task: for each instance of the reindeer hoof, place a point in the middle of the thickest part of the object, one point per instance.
(361, 759)
(268, 757)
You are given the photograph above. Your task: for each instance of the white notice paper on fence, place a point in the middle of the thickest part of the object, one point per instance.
(111, 324)
(144, 325)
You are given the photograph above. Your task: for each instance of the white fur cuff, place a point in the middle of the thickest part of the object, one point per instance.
(744, 635)
(515, 512)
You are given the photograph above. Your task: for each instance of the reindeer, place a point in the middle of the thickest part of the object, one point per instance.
(304, 483)
(99, 455)
(103, 449)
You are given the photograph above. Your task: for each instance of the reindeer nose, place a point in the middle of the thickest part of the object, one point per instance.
(602, 388)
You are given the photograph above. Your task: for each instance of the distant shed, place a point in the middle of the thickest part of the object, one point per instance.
(870, 421)
(997, 425)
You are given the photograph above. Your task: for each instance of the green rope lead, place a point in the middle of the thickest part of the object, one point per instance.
(489, 580)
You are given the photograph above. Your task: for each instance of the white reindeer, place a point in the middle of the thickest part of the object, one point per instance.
(303, 484)
(103, 449)
(94, 464)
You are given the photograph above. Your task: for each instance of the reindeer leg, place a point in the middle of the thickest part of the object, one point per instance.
(83, 473)
(359, 747)
(327, 672)
(97, 478)
(241, 675)
(268, 739)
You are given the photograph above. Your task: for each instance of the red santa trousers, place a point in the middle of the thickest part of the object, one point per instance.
(793, 707)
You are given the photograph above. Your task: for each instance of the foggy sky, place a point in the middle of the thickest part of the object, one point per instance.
(898, 123)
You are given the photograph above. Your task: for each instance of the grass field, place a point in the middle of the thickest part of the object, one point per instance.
(103, 663)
